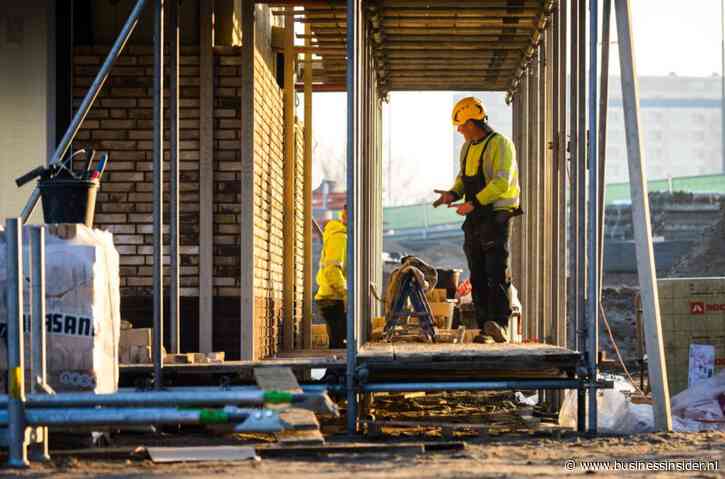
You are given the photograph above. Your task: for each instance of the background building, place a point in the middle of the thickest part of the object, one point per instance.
(680, 120)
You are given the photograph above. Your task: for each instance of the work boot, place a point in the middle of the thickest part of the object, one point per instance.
(496, 331)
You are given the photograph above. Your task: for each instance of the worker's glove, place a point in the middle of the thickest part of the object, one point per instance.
(445, 198)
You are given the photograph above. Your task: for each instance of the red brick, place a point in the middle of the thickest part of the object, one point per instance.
(86, 60)
(119, 114)
(140, 135)
(128, 239)
(128, 260)
(118, 124)
(128, 92)
(125, 176)
(118, 102)
(109, 134)
(140, 218)
(113, 186)
(110, 218)
(121, 166)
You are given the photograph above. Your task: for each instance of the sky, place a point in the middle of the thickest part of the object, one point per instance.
(670, 36)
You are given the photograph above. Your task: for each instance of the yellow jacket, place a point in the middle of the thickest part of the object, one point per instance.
(331, 274)
(500, 170)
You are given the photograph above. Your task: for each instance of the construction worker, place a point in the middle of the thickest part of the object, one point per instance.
(332, 281)
(488, 181)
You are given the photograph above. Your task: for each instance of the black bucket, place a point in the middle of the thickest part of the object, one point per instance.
(68, 200)
(448, 279)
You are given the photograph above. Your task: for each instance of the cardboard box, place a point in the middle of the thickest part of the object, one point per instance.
(443, 313)
(437, 295)
(131, 338)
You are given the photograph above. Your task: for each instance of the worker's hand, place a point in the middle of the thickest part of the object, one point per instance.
(463, 208)
(445, 198)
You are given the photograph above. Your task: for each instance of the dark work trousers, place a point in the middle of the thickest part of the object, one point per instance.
(333, 312)
(486, 245)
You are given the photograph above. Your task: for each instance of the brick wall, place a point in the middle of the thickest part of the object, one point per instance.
(268, 209)
(121, 123)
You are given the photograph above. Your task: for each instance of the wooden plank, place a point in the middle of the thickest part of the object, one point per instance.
(641, 220)
(246, 259)
(300, 419)
(276, 379)
(300, 437)
(206, 176)
(288, 288)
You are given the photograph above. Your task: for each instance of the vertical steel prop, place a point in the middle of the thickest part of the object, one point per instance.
(593, 224)
(354, 11)
(158, 186)
(657, 366)
(17, 447)
(37, 331)
(174, 46)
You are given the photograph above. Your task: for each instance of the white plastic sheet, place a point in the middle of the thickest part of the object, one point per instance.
(82, 310)
(615, 411)
(698, 408)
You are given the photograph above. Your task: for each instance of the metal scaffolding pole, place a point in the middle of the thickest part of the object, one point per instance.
(158, 185)
(354, 31)
(174, 313)
(38, 374)
(525, 385)
(556, 224)
(174, 397)
(17, 446)
(573, 286)
(602, 142)
(563, 247)
(641, 220)
(582, 175)
(523, 153)
(265, 420)
(593, 224)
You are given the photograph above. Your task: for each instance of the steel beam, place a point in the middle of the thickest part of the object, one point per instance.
(354, 235)
(593, 224)
(38, 376)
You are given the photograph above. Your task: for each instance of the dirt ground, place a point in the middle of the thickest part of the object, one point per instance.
(508, 456)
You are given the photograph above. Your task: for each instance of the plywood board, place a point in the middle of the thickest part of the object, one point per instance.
(276, 379)
(201, 454)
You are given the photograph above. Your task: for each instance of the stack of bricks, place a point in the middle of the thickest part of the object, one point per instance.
(121, 123)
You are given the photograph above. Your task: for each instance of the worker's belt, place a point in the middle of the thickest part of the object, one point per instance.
(484, 221)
